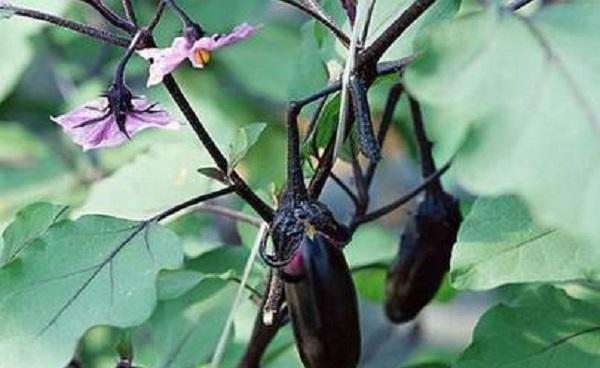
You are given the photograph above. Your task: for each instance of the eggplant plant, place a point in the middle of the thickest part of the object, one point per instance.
(500, 99)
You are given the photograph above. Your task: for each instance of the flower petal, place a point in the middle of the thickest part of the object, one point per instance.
(217, 41)
(239, 33)
(146, 115)
(165, 60)
(102, 130)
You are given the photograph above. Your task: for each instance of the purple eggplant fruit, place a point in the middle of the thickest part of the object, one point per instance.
(424, 257)
(322, 302)
(319, 290)
(426, 245)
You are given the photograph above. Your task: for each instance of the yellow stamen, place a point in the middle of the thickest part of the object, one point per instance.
(202, 56)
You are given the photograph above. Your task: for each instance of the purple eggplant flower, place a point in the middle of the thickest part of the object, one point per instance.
(112, 119)
(197, 51)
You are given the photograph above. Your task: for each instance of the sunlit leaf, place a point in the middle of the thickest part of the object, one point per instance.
(499, 243)
(519, 95)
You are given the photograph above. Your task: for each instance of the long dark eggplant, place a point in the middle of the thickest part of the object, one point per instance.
(308, 256)
(322, 302)
(318, 287)
(426, 245)
(423, 258)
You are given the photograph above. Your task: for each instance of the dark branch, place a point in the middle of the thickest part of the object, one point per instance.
(262, 334)
(425, 146)
(84, 29)
(328, 23)
(386, 121)
(345, 188)
(295, 181)
(240, 185)
(130, 12)
(230, 213)
(400, 201)
(518, 4)
(111, 16)
(374, 52)
(192, 202)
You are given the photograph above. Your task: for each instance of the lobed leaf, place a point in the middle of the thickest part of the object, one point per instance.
(94, 271)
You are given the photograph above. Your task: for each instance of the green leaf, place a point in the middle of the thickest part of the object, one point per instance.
(30, 223)
(173, 284)
(386, 11)
(520, 95)
(310, 73)
(325, 128)
(545, 328)
(429, 365)
(243, 140)
(94, 271)
(371, 244)
(499, 244)
(370, 283)
(253, 64)
(183, 332)
(159, 179)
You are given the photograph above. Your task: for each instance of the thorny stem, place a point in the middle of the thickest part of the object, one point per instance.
(342, 37)
(326, 163)
(296, 187)
(386, 121)
(111, 16)
(367, 142)
(84, 29)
